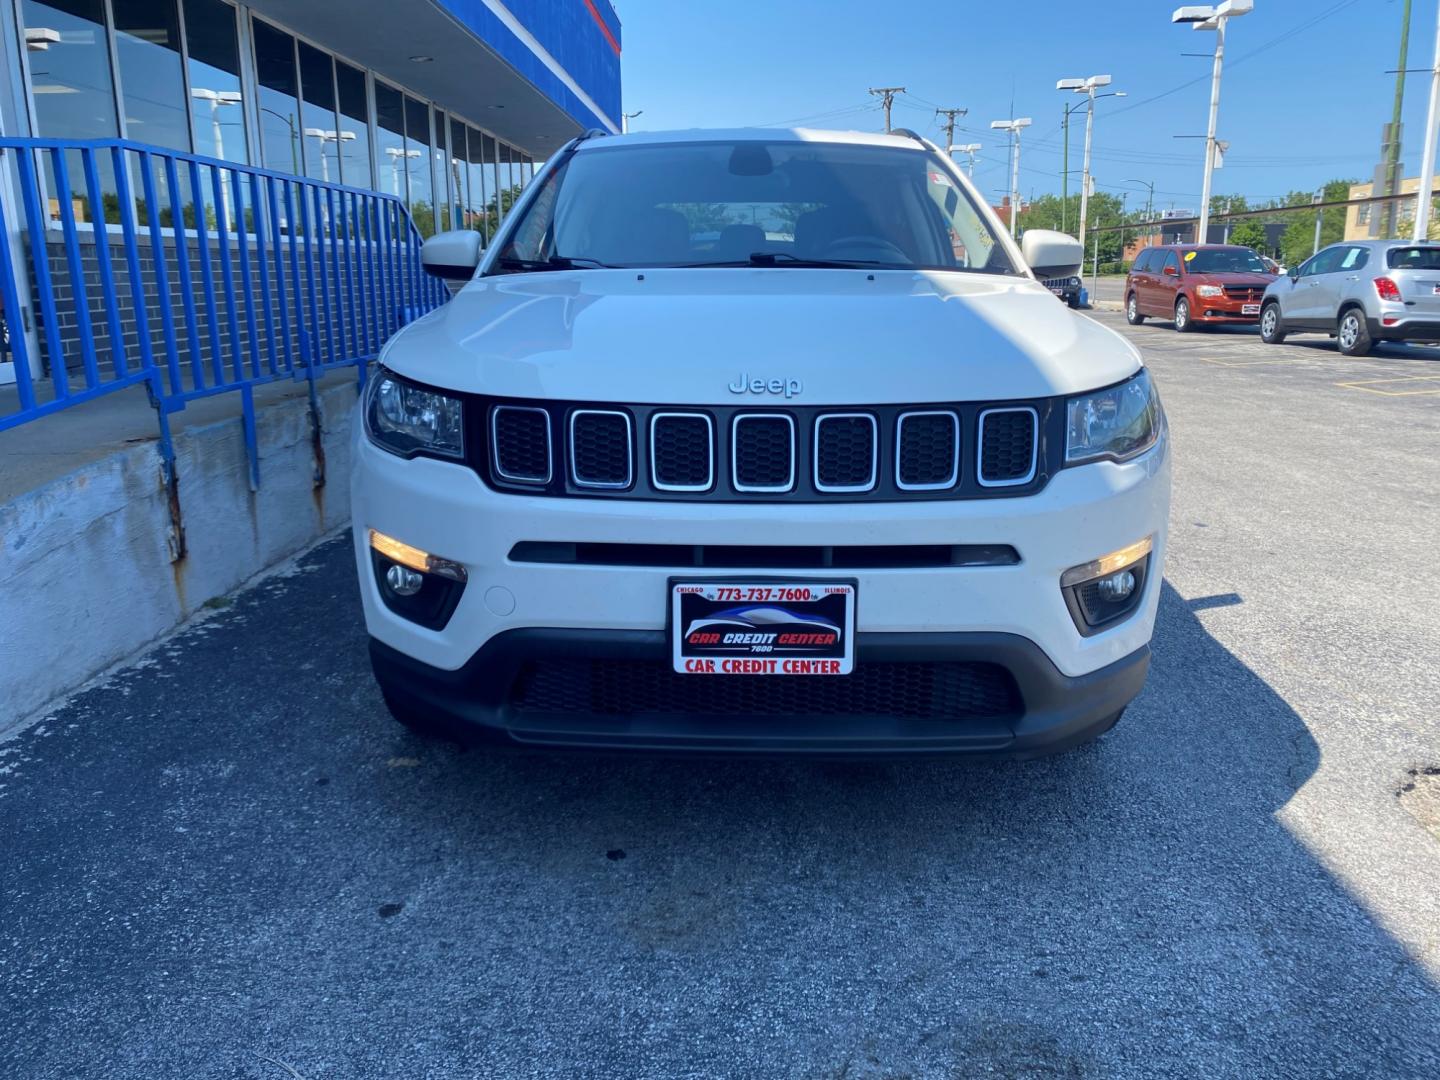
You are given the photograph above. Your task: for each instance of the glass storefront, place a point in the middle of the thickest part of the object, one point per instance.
(173, 73)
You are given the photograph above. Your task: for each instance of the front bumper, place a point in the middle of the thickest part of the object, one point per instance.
(1070, 685)
(1211, 310)
(482, 699)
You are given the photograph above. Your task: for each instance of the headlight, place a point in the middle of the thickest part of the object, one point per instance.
(1114, 424)
(1209, 290)
(407, 419)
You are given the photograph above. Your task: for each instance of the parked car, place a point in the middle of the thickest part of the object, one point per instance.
(845, 481)
(1067, 288)
(1196, 285)
(1358, 292)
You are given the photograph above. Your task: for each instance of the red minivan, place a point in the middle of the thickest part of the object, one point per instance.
(1196, 285)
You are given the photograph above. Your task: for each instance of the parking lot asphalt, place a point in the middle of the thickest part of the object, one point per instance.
(227, 861)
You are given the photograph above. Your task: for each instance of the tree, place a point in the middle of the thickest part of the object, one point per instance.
(1298, 242)
(1248, 232)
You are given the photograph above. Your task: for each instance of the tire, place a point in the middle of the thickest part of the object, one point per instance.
(1272, 327)
(1132, 310)
(1074, 301)
(1352, 333)
(1184, 324)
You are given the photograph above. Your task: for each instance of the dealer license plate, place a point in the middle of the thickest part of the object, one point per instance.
(763, 628)
(1249, 309)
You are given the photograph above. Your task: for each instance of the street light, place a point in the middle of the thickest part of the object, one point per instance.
(396, 155)
(217, 99)
(1149, 186)
(328, 137)
(970, 150)
(1014, 127)
(1086, 86)
(1207, 17)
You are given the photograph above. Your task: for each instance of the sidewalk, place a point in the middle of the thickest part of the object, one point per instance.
(98, 557)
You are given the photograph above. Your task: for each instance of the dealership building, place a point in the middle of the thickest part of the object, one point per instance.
(445, 106)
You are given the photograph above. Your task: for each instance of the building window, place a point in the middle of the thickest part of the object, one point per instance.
(70, 77)
(458, 178)
(390, 140)
(320, 132)
(280, 146)
(480, 183)
(216, 100)
(417, 165)
(147, 46)
(354, 116)
(1362, 214)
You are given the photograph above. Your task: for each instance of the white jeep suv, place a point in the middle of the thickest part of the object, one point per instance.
(759, 441)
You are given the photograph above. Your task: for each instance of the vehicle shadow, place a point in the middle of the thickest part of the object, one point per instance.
(930, 916)
(239, 828)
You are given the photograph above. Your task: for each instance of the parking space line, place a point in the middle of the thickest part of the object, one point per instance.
(1370, 385)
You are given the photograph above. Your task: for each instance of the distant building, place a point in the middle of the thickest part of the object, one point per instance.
(1363, 222)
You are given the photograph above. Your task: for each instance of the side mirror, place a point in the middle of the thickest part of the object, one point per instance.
(1294, 274)
(453, 254)
(1171, 271)
(1051, 254)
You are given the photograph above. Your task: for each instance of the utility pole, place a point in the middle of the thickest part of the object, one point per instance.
(969, 149)
(1318, 198)
(950, 115)
(1387, 176)
(1212, 18)
(1423, 196)
(886, 94)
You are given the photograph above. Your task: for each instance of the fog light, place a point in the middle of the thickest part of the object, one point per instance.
(402, 580)
(1116, 587)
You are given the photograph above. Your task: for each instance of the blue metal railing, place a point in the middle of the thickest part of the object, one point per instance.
(193, 276)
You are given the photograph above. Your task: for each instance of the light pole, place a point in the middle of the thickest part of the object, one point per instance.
(397, 154)
(626, 117)
(1014, 127)
(1317, 199)
(324, 137)
(1427, 166)
(1086, 86)
(218, 98)
(969, 150)
(1207, 17)
(1149, 186)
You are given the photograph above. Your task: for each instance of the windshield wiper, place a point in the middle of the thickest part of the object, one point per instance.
(784, 258)
(515, 265)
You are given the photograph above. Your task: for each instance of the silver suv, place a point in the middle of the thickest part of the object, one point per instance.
(1358, 292)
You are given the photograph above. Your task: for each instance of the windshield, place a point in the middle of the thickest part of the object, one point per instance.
(745, 202)
(1224, 261)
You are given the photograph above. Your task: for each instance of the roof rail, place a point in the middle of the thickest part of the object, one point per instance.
(592, 133)
(907, 133)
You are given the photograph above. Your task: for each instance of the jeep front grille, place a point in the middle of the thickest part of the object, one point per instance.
(804, 453)
(1007, 446)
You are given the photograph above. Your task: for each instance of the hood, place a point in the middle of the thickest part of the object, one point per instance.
(712, 336)
(1235, 277)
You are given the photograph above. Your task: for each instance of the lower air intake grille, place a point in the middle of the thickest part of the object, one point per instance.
(681, 452)
(929, 443)
(1007, 446)
(764, 452)
(928, 691)
(600, 451)
(521, 444)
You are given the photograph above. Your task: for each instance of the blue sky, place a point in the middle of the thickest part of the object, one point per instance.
(1307, 108)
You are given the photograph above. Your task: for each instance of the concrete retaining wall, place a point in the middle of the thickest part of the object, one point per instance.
(86, 576)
